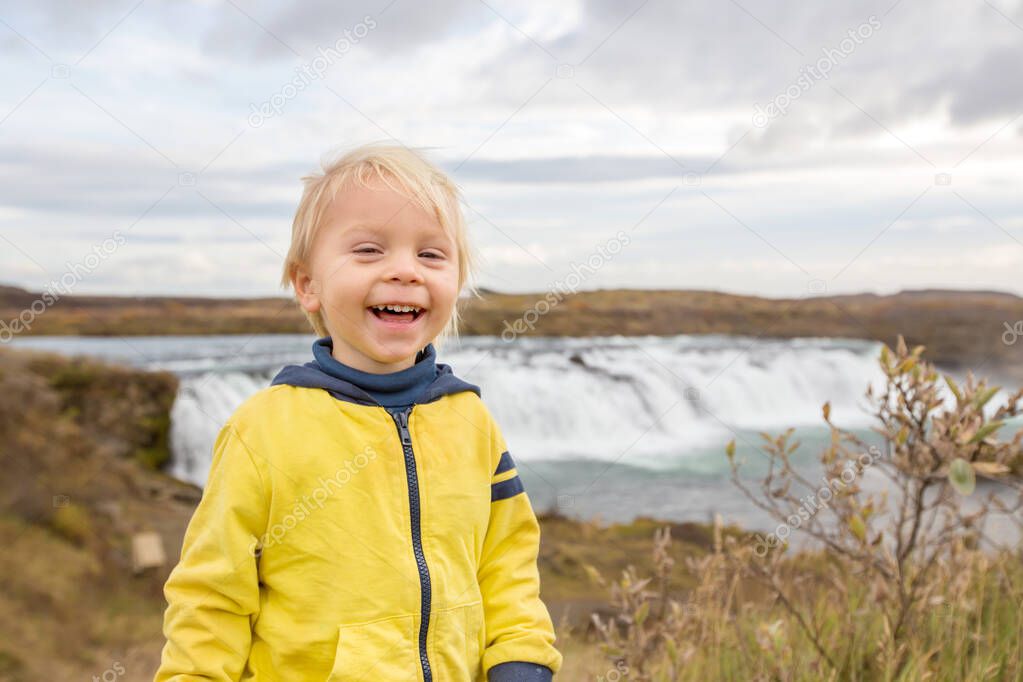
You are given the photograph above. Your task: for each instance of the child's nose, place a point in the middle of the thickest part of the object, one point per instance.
(404, 267)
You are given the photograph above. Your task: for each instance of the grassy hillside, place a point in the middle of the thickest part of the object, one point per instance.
(77, 443)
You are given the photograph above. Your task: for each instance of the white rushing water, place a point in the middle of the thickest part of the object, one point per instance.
(650, 402)
(614, 427)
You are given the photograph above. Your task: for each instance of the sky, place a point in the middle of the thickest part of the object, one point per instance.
(780, 149)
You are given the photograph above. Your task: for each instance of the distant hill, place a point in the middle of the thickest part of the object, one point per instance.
(961, 329)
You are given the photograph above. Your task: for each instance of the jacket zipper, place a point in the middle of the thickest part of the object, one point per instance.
(401, 420)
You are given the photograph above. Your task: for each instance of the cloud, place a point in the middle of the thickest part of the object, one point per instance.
(266, 30)
(561, 123)
(993, 88)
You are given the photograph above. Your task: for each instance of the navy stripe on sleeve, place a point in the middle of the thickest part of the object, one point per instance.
(506, 489)
(505, 464)
(520, 671)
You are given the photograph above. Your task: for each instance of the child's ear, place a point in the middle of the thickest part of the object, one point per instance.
(306, 290)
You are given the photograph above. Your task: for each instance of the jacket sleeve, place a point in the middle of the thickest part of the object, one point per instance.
(213, 592)
(519, 632)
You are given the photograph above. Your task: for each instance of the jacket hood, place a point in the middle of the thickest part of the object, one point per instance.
(313, 375)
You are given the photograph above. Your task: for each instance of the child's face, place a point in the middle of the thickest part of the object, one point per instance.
(377, 247)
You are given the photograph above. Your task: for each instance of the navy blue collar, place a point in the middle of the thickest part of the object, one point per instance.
(390, 390)
(425, 381)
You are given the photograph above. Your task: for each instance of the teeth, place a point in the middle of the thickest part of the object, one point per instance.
(398, 308)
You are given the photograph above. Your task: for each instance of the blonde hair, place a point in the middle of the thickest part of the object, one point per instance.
(418, 179)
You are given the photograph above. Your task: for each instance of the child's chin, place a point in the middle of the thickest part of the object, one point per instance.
(393, 350)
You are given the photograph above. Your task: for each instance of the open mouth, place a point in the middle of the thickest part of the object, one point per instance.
(403, 314)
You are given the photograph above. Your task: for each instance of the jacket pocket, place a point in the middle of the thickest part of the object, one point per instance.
(458, 643)
(383, 649)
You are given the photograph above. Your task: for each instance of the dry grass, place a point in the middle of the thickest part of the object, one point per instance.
(900, 588)
(971, 630)
(74, 435)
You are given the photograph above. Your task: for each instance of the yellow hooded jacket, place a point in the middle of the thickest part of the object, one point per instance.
(337, 539)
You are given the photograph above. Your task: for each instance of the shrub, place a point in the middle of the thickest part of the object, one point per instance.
(898, 582)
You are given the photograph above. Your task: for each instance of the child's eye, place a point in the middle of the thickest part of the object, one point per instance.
(366, 249)
(432, 254)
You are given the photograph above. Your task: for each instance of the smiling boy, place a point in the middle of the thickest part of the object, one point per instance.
(377, 248)
(363, 518)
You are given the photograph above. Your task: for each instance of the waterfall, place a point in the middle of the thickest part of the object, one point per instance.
(614, 427)
(203, 404)
(650, 401)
